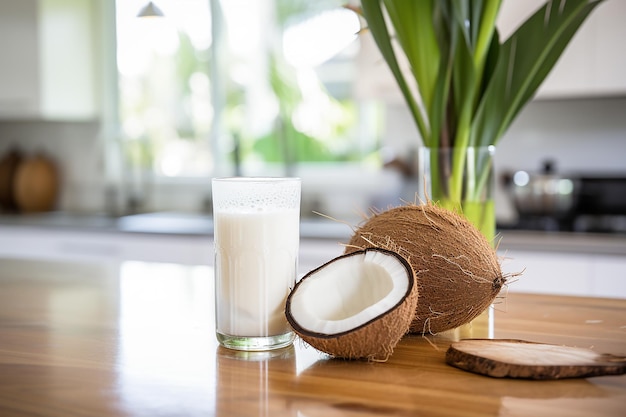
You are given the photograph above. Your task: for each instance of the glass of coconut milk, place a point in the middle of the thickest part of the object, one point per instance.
(257, 233)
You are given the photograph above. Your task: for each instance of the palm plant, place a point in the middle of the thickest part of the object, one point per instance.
(464, 87)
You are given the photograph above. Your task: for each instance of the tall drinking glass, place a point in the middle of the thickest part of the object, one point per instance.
(257, 234)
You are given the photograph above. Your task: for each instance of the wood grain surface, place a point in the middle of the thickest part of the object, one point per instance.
(137, 339)
(513, 358)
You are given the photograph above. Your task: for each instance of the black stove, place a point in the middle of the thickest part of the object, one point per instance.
(600, 208)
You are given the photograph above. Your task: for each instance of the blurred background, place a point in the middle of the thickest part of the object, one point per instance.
(139, 113)
(120, 114)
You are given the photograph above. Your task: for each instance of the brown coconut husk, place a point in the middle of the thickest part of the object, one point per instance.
(374, 340)
(457, 271)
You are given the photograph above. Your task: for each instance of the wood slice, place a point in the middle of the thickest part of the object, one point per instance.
(522, 359)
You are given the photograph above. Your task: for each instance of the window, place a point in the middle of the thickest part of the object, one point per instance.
(241, 87)
(164, 87)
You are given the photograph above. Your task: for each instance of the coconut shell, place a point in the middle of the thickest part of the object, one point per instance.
(374, 340)
(457, 270)
(36, 184)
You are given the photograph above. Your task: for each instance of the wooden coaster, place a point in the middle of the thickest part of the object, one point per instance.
(522, 359)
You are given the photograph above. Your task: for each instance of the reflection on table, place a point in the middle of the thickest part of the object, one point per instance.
(133, 338)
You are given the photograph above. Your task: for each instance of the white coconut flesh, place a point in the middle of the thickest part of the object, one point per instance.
(350, 291)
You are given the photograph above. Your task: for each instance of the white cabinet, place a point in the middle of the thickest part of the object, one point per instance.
(83, 245)
(19, 46)
(592, 275)
(50, 59)
(608, 276)
(593, 64)
(88, 245)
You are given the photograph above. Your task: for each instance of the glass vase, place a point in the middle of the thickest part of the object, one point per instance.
(462, 180)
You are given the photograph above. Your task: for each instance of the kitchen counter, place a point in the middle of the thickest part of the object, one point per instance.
(553, 263)
(137, 339)
(157, 223)
(190, 224)
(156, 237)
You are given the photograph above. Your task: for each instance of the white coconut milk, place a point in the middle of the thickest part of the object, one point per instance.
(256, 255)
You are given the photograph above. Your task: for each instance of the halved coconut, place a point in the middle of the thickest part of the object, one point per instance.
(355, 306)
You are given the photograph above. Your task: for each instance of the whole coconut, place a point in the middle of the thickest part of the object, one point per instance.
(457, 270)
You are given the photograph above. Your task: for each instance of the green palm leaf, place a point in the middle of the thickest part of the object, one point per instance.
(415, 33)
(525, 60)
(373, 14)
(470, 86)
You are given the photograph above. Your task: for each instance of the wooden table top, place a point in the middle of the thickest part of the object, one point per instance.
(137, 339)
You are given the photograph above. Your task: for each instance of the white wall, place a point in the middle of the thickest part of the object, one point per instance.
(77, 149)
(581, 135)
